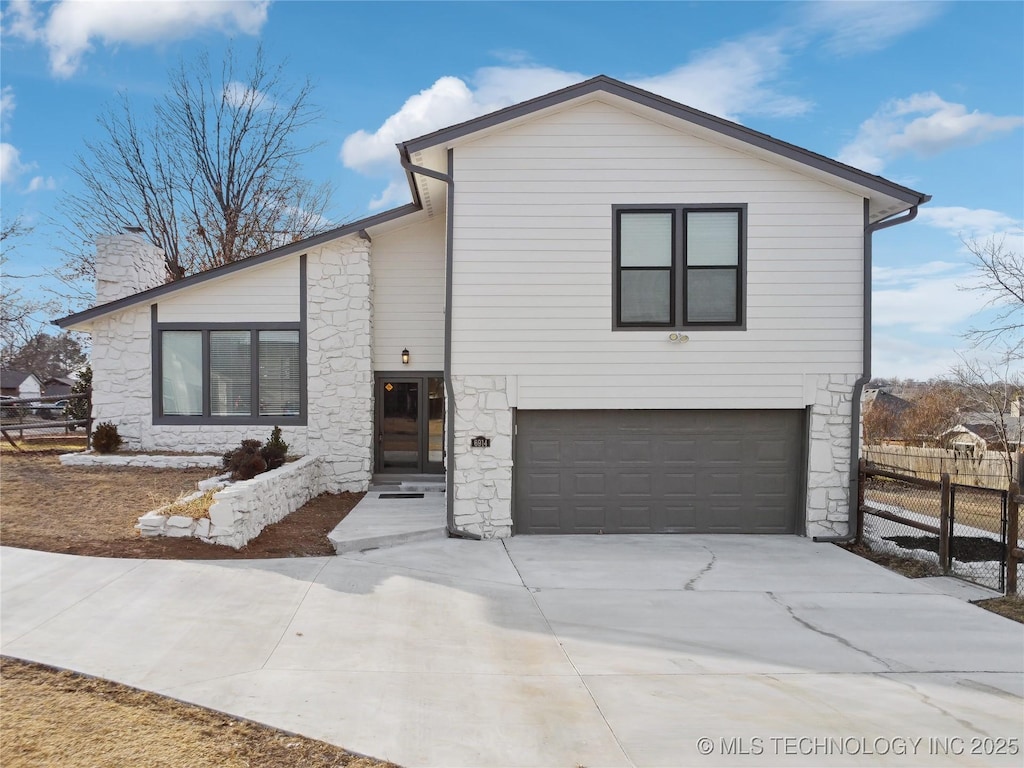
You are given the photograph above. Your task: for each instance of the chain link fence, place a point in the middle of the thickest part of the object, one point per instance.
(902, 518)
(978, 535)
(956, 529)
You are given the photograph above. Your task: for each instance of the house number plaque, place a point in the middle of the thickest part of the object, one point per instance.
(480, 442)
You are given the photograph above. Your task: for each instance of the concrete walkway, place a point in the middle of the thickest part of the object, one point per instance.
(549, 651)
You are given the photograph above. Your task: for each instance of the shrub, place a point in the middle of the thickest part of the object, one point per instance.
(275, 450)
(80, 408)
(245, 462)
(105, 438)
(251, 457)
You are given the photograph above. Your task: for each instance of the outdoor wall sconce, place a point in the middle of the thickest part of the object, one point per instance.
(405, 357)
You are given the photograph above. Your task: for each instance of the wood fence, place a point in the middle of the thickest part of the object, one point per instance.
(987, 470)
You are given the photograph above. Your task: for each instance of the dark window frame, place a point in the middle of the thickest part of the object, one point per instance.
(680, 268)
(207, 417)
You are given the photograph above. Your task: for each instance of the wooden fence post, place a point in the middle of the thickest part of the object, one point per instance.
(1012, 532)
(944, 526)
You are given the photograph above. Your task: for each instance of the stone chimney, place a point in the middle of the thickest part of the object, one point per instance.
(127, 264)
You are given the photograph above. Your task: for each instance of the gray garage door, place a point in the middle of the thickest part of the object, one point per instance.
(658, 471)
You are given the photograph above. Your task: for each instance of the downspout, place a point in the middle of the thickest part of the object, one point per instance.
(858, 385)
(449, 391)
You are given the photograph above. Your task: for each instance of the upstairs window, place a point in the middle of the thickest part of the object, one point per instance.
(678, 267)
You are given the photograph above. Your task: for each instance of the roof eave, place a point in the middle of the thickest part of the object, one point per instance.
(703, 119)
(299, 246)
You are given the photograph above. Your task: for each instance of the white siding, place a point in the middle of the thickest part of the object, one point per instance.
(532, 288)
(408, 297)
(268, 293)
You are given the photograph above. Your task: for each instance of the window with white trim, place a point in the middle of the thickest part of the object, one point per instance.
(678, 266)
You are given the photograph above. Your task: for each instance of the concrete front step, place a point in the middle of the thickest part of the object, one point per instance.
(376, 523)
(408, 483)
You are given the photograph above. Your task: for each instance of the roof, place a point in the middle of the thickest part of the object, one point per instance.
(984, 426)
(67, 380)
(879, 398)
(14, 379)
(599, 84)
(286, 250)
(605, 84)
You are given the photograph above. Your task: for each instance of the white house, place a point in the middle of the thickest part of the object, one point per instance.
(20, 384)
(603, 312)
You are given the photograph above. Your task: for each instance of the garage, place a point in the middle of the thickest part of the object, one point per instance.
(713, 471)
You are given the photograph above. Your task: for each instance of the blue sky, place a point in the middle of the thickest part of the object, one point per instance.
(930, 95)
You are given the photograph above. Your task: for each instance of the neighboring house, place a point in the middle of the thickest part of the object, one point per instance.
(883, 415)
(58, 386)
(603, 312)
(980, 432)
(19, 384)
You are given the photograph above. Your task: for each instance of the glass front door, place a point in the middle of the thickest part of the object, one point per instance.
(410, 424)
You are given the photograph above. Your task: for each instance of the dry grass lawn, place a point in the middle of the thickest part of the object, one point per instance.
(65, 509)
(93, 511)
(53, 718)
(57, 718)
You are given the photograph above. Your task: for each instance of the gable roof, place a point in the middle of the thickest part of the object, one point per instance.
(14, 379)
(602, 84)
(605, 84)
(285, 250)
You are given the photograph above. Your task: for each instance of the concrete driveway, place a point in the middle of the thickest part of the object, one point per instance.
(550, 651)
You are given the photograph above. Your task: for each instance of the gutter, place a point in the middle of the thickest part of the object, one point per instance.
(449, 391)
(858, 385)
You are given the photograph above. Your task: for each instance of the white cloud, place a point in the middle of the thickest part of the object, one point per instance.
(238, 95)
(861, 27)
(447, 102)
(71, 28)
(42, 184)
(395, 193)
(11, 166)
(7, 105)
(969, 222)
(977, 224)
(730, 80)
(923, 124)
(21, 20)
(894, 355)
(924, 298)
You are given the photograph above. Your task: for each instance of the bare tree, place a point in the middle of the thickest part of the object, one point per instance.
(992, 396)
(21, 316)
(211, 173)
(1000, 273)
(933, 412)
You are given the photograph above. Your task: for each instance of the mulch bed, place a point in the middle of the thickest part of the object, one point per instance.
(302, 534)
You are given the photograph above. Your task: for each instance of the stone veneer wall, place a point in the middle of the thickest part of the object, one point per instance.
(339, 375)
(483, 476)
(828, 470)
(340, 363)
(243, 509)
(127, 264)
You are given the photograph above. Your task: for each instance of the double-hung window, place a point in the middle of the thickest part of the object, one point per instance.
(231, 375)
(678, 266)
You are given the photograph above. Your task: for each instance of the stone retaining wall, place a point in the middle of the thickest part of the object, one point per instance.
(243, 509)
(140, 460)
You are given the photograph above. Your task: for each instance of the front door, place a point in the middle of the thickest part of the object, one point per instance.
(410, 423)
